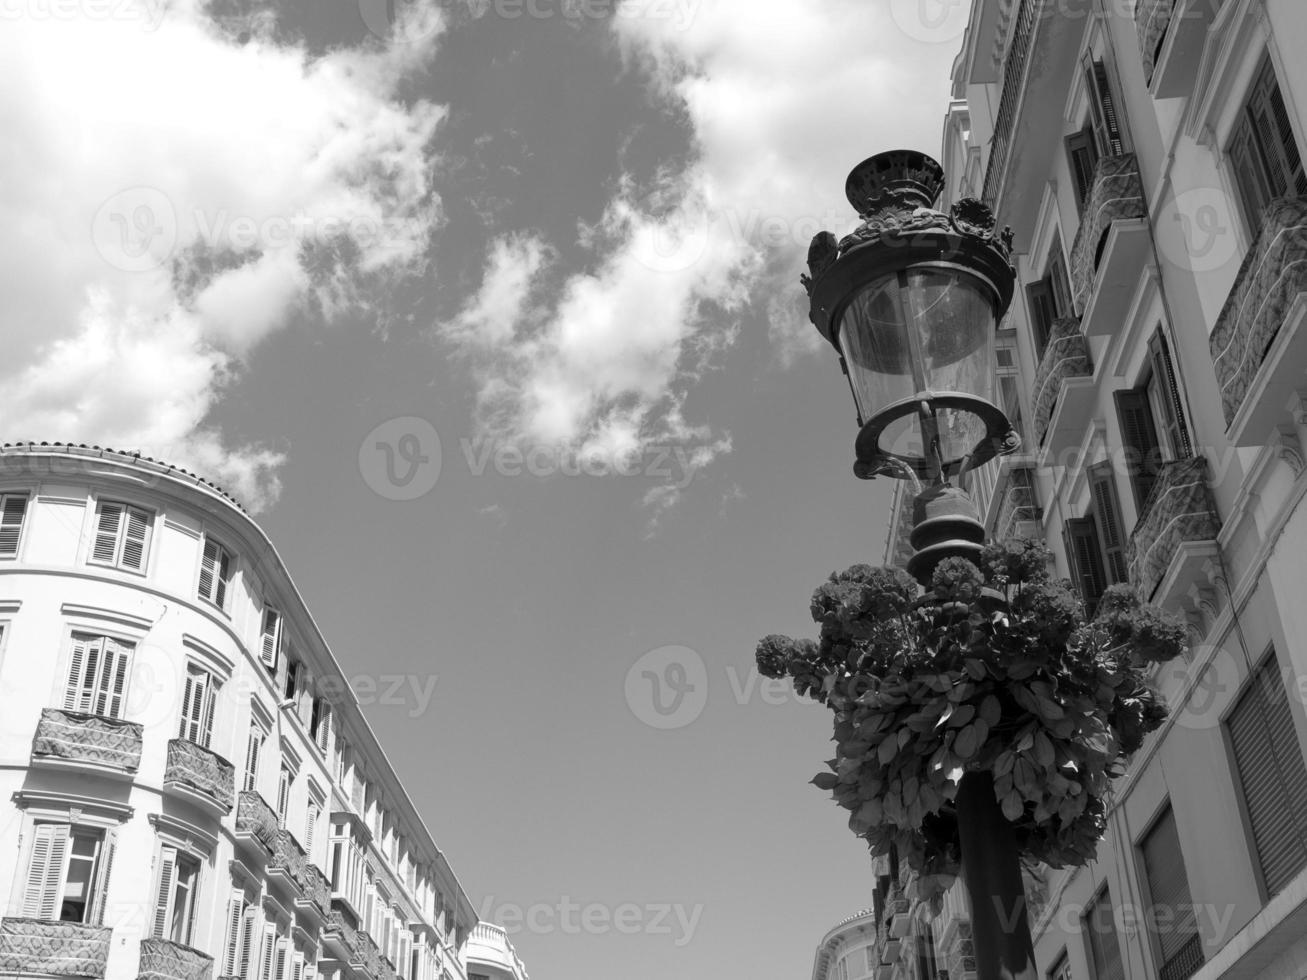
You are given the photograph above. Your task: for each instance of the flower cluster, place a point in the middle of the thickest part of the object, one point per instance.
(994, 669)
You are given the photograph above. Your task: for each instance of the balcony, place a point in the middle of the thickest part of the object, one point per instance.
(255, 822)
(489, 944)
(164, 960)
(32, 947)
(1178, 512)
(90, 741)
(1037, 72)
(203, 776)
(1063, 386)
(355, 947)
(1111, 246)
(293, 866)
(1172, 34)
(1014, 508)
(1258, 346)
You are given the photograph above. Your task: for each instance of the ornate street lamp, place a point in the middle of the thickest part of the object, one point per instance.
(911, 301)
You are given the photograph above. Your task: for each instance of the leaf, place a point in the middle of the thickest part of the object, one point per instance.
(990, 710)
(975, 668)
(1043, 749)
(966, 743)
(888, 749)
(1003, 762)
(825, 780)
(948, 713)
(962, 716)
(954, 775)
(1013, 806)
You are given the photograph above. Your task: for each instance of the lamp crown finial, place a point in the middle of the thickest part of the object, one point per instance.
(904, 177)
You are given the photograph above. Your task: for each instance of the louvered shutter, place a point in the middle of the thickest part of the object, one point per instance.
(1082, 154)
(208, 699)
(1139, 436)
(45, 872)
(1057, 278)
(1081, 538)
(106, 535)
(1103, 109)
(310, 824)
(1272, 775)
(208, 569)
(269, 951)
(113, 679)
(1159, 353)
(283, 795)
(249, 930)
(1168, 889)
(298, 972)
(1042, 313)
(1104, 943)
(223, 575)
(136, 539)
(232, 947)
(13, 507)
(281, 959)
(1296, 180)
(78, 696)
(271, 638)
(253, 750)
(1250, 175)
(164, 895)
(197, 707)
(1107, 518)
(100, 885)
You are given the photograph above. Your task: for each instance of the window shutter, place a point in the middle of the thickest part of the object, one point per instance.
(77, 697)
(1042, 313)
(1082, 153)
(113, 684)
(1081, 538)
(249, 928)
(1272, 775)
(1172, 405)
(269, 950)
(1103, 108)
(106, 535)
(163, 903)
(1168, 888)
(271, 645)
(12, 510)
(1250, 175)
(100, 886)
(310, 822)
(45, 873)
(136, 539)
(208, 569)
(252, 752)
(1061, 284)
(283, 795)
(1139, 437)
(208, 702)
(281, 959)
(231, 950)
(1296, 180)
(1107, 517)
(1104, 944)
(298, 972)
(223, 576)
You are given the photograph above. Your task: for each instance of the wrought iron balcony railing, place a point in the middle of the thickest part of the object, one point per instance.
(1273, 274)
(1017, 503)
(162, 959)
(72, 736)
(1179, 508)
(256, 821)
(1066, 356)
(1116, 194)
(288, 858)
(1014, 77)
(41, 947)
(201, 772)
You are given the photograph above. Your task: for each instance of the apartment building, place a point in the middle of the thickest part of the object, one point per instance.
(1148, 155)
(848, 951)
(188, 788)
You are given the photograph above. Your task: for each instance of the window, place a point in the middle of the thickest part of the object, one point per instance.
(1082, 154)
(197, 706)
(320, 724)
(253, 752)
(1104, 944)
(174, 909)
(13, 508)
(283, 794)
(97, 675)
(291, 685)
(310, 824)
(1109, 133)
(270, 638)
(1272, 776)
(215, 573)
(1179, 946)
(1095, 543)
(1061, 968)
(122, 536)
(1049, 299)
(68, 872)
(1264, 158)
(242, 927)
(1152, 421)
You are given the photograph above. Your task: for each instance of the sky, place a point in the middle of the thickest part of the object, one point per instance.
(489, 312)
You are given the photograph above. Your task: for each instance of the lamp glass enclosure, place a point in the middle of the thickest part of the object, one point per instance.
(915, 332)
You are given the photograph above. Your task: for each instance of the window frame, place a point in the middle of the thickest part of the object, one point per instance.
(8, 527)
(220, 585)
(204, 724)
(1250, 161)
(170, 857)
(74, 695)
(64, 830)
(121, 537)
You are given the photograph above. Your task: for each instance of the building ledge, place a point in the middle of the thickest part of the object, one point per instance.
(1127, 250)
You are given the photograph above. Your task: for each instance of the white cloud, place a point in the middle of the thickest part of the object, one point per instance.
(170, 197)
(783, 97)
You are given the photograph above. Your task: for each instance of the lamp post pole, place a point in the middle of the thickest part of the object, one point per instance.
(911, 300)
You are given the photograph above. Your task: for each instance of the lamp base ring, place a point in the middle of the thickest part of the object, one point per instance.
(1000, 438)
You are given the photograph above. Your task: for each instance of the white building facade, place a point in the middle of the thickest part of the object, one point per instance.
(188, 788)
(1148, 155)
